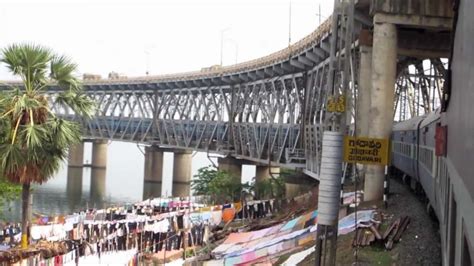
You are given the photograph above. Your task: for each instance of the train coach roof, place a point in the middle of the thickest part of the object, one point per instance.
(409, 124)
(431, 117)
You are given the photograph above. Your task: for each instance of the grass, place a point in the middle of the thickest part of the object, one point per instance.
(371, 255)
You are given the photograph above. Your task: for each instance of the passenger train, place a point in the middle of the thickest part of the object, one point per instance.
(436, 151)
(418, 149)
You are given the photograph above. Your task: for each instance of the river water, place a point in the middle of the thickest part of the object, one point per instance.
(123, 182)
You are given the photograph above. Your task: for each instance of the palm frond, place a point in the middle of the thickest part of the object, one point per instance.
(28, 61)
(64, 132)
(35, 135)
(11, 159)
(80, 103)
(62, 71)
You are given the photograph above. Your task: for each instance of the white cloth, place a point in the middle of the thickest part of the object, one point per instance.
(299, 257)
(178, 262)
(348, 223)
(106, 258)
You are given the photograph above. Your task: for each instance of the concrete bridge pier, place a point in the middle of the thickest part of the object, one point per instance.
(99, 154)
(264, 173)
(293, 189)
(97, 190)
(76, 155)
(363, 97)
(182, 173)
(384, 67)
(232, 166)
(153, 172)
(74, 186)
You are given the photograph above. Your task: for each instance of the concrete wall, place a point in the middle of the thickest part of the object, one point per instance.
(431, 8)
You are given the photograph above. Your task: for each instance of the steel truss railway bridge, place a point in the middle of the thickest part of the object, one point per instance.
(273, 110)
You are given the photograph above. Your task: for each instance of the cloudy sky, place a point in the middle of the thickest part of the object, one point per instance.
(163, 36)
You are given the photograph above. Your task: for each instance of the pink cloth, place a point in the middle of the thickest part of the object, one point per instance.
(238, 238)
(260, 233)
(249, 256)
(275, 229)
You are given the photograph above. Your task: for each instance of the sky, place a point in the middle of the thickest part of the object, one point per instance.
(161, 36)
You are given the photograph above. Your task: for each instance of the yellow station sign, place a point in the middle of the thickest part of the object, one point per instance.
(366, 150)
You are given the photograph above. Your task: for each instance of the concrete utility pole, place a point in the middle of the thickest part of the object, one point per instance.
(236, 45)
(331, 157)
(289, 26)
(222, 43)
(319, 14)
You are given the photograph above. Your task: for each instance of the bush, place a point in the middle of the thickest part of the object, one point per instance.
(221, 186)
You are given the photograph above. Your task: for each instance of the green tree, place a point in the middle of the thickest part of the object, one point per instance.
(221, 186)
(8, 192)
(33, 140)
(273, 187)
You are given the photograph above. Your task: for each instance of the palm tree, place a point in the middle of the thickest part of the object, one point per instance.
(33, 140)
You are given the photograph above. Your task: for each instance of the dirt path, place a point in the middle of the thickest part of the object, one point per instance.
(420, 243)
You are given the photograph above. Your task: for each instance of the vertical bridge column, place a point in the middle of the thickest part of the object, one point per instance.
(74, 186)
(262, 174)
(98, 172)
(76, 155)
(182, 173)
(232, 166)
(74, 174)
(98, 190)
(384, 67)
(99, 154)
(153, 174)
(365, 85)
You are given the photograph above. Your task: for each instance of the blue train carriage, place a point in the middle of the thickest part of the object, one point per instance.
(427, 161)
(404, 150)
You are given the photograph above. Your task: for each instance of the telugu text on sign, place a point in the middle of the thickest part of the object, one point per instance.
(366, 150)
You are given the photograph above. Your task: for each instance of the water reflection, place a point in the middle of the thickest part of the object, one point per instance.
(98, 190)
(74, 189)
(151, 189)
(74, 186)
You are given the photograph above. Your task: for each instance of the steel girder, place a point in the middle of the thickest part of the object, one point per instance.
(274, 120)
(419, 87)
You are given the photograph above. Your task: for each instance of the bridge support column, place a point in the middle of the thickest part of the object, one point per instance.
(99, 154)
(98, 191)
(153, 174)
(292, 190)
(384, 67)
(74, 186)
(182, 173)
(363, 97)
(262, 174)
(76, 155)
(232, 166)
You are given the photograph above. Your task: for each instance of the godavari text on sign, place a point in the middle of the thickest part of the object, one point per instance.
(366, 150)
